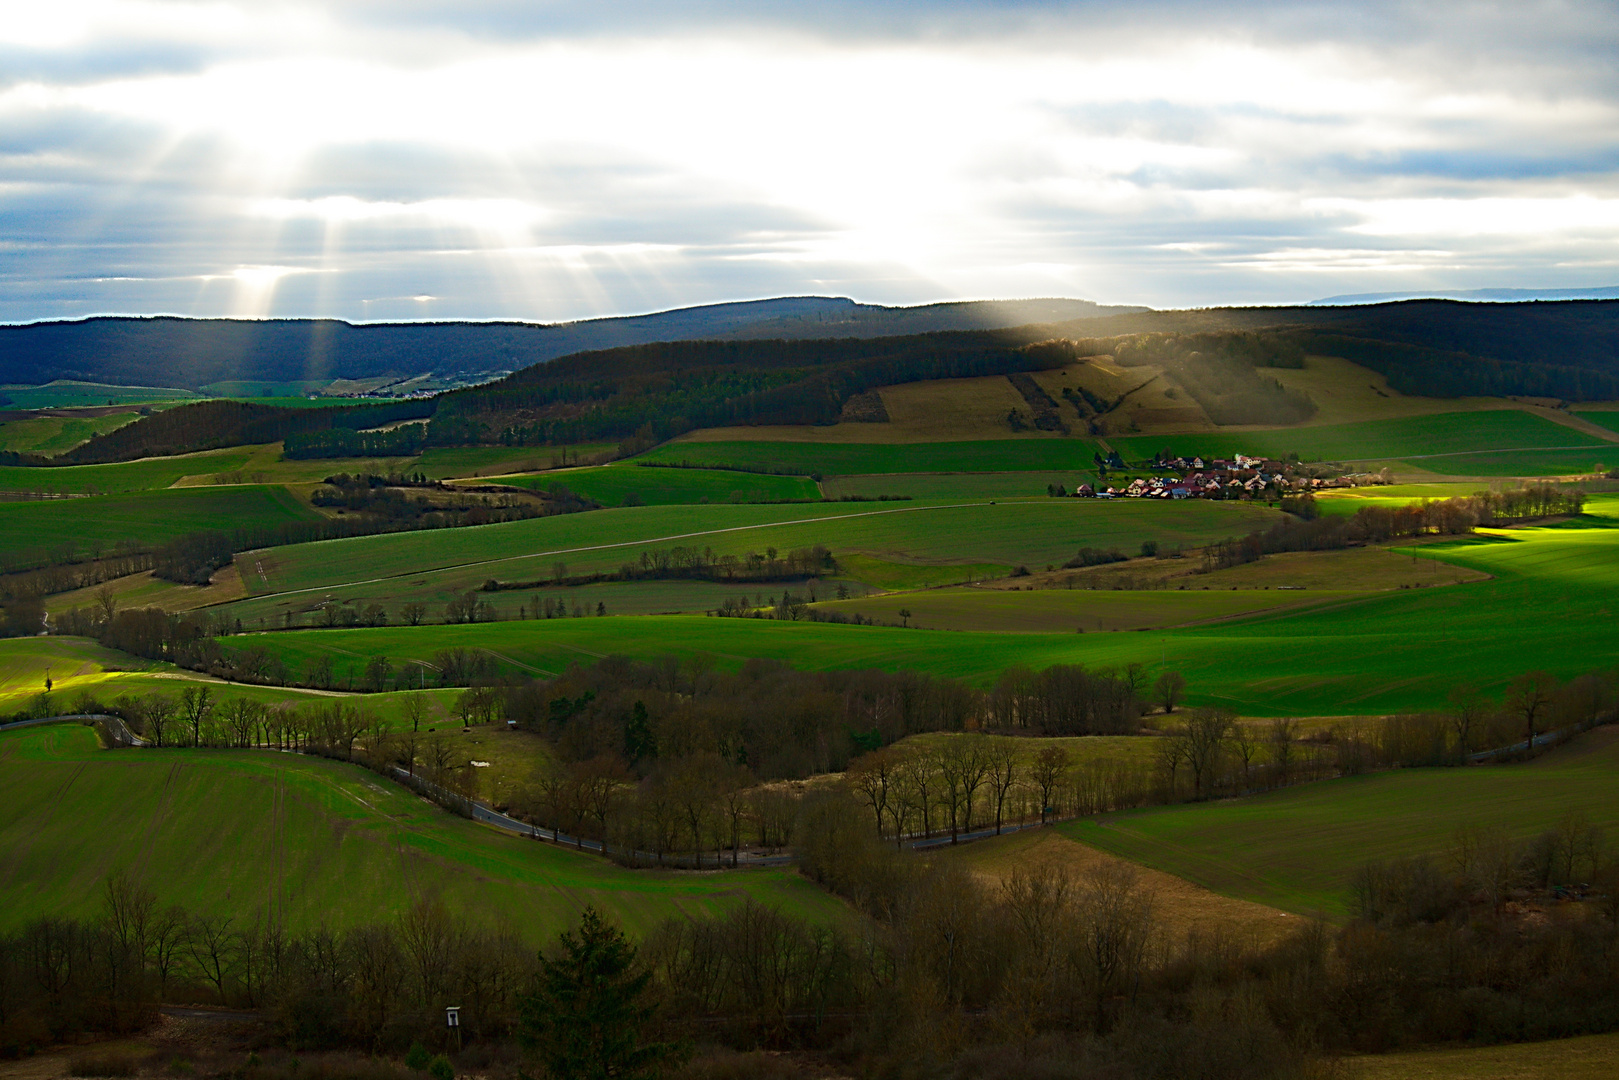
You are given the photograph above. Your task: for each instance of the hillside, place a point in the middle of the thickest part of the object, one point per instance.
(198, 353)
(308, 843)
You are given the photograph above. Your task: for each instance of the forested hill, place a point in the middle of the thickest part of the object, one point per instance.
(1565, 349)
(193, 353)
(641, 394)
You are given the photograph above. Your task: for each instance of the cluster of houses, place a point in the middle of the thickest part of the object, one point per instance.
(1218, 478)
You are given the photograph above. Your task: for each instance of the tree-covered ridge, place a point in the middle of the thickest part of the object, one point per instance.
(645, 393)
(209, 425)
(669, 388)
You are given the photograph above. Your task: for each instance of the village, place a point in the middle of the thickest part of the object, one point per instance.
(1239, 477)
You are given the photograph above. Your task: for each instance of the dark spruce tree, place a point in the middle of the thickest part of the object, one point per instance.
(585, 1018)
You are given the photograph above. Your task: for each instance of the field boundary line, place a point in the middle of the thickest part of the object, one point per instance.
(1469, 453)
(602, 547)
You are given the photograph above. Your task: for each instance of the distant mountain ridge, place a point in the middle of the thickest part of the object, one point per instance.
(1610, 292)
(193, 353)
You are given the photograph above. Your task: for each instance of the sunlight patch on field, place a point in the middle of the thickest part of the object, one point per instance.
(1180, 908)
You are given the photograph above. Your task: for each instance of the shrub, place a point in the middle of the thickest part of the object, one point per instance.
(103, 1064)
(441, 1069)
(417, 1057)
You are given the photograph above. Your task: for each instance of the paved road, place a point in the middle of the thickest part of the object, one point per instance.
(488, 815)
(119, 728)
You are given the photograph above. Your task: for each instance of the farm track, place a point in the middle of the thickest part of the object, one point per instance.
(1569, 420)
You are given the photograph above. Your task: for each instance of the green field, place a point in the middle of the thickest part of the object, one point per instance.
(447, 462)
(248, 388)
(147, 474)
(50, 435)
(78, 666)
(1296, 848)
(612, 485)
(957, 542)
(1478, 435)
(945, 486)
(1386, 651)
(1057, 610)
(1602, 418)
(99, 522)
(1587, 1057)
(844, 459)
(309, 842)
(65, 393)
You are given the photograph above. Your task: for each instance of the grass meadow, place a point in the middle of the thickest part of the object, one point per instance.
(845, 459)
(101, 521)
(55, 434)
(1608, 418)
(946, 544)
(309, 842)
(1036, 532)
(1476, 434)
(1297, 848)
(64, 394)
(147, 474)
(944, 486)
(1386, 651)
(1058, 610)
(620, 485)
(1587, 1057)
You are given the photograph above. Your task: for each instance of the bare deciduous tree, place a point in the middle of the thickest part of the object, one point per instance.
(1202, 740)
(1168, 689)
(1528, 697)
(1050, 767)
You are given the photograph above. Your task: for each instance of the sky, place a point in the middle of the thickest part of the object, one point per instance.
(546, 161)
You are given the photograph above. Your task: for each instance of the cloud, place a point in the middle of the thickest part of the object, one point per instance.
(554, 160)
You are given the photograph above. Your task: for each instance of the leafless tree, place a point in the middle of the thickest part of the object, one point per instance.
(196, 702)
(1004, 760)
(1245, 744)
(872, 777)
(1051, 764)
(1168, 689)
(1283, 731)
(415, 708)
(1468, 709)
(1113, 943)
(1528, 696)
(211, 948)
(962, 768)
(1203, 740)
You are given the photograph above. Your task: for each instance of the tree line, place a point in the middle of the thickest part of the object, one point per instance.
(220, 422)
(681, 563)
(667, 388)
(1045, 970)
